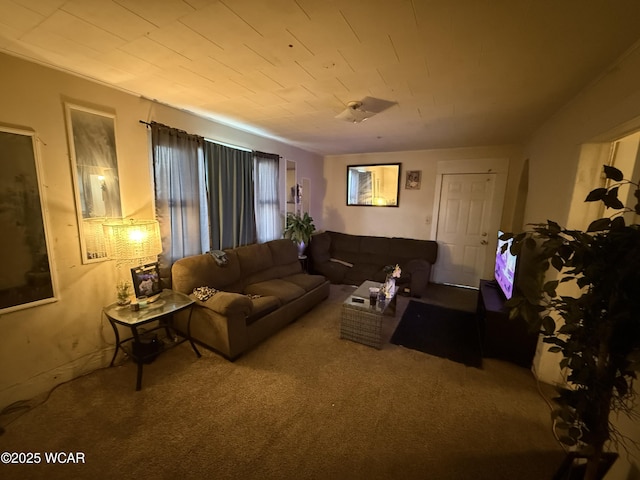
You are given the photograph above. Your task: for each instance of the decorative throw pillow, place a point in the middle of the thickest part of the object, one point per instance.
(204, 293)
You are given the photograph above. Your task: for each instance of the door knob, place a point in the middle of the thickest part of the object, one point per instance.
(484, 242)
(484, 234)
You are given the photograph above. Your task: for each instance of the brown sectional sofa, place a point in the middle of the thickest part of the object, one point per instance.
(352, 259)
(260, 290)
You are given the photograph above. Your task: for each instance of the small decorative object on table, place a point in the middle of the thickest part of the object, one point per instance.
(124, 291)
(393, 272)
(373, 295)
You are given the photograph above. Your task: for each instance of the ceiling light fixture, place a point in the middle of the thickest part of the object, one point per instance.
(359, 111)
(354, 113)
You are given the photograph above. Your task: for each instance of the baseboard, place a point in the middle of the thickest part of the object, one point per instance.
(45, 381)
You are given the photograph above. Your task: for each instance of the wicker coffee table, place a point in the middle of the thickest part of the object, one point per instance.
(361, 322)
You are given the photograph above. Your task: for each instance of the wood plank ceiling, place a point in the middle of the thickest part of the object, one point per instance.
(459, 73)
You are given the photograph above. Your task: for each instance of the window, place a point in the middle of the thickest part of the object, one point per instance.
(267, 201)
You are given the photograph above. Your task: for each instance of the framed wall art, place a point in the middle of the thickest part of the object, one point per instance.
(413, 180)
(373, 185)
(92, 145)
(27, 278)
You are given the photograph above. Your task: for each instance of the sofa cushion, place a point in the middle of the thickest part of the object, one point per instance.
(345, 247)
(227, 303)
(319, 247)
(261, 307)
(334, 271)
(254, 258)
(376, 246)
(364, 271)
(285, 291)
(283, 251)
(201, 270)
(408, 248)
(306, 281)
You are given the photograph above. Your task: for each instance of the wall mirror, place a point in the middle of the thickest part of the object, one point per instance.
(27, 279)
(306, 195)
(293, 189)
(92, 144)
(373, 185)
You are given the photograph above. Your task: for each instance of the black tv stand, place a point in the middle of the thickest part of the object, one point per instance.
(503, 338)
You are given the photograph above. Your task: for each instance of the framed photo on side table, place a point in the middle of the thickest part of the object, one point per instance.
(146, 281)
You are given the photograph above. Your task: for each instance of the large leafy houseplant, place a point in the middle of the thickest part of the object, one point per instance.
(299, 229)
(596, 328)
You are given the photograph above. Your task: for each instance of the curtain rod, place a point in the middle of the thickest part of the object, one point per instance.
(148, 124)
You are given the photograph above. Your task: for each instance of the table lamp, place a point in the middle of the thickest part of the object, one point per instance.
(131, 242)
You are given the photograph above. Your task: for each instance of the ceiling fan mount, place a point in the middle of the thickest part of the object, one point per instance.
(359, 111)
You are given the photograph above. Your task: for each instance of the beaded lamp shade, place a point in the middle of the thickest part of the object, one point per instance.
(132, 239)
(94, 238)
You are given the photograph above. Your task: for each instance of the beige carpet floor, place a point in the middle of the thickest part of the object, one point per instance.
(303, 405)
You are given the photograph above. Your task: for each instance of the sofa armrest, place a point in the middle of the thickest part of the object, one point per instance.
(420, 272)
(417, 264)
(227, 303)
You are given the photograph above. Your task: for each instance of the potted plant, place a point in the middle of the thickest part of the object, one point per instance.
(596, 326)
(299, 229)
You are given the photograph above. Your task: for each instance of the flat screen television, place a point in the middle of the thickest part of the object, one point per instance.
(146, 281)
(505, 267)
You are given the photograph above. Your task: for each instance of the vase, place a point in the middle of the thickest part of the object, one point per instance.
(301, 247)
(390, 285)
(382, 298)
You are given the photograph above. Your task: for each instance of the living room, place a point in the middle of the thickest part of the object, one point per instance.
(52, 343)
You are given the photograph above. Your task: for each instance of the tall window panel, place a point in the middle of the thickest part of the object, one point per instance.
(180, 194)
(267, 199)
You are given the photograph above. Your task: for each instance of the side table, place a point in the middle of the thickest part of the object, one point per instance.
(503, 338)
(167, 304)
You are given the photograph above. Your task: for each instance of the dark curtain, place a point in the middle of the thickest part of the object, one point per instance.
(231, 196)
(180, 195)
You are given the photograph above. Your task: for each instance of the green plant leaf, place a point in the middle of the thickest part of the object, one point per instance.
(599, 225)
(550, 287)
(548, 325)
(613, 173)
(618, 223)
(611, 199)
(554, 228)
(583, 282)
(596, 195)
(557, 263)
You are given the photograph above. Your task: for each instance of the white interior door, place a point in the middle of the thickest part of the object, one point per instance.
(464, 229)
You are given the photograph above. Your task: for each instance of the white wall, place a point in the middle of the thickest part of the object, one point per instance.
(562, 154)
(49, 344)
(413, 217)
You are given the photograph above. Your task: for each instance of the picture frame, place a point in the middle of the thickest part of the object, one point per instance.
(413, 180)
(28, 278)
(146, 280)
(93, 153)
